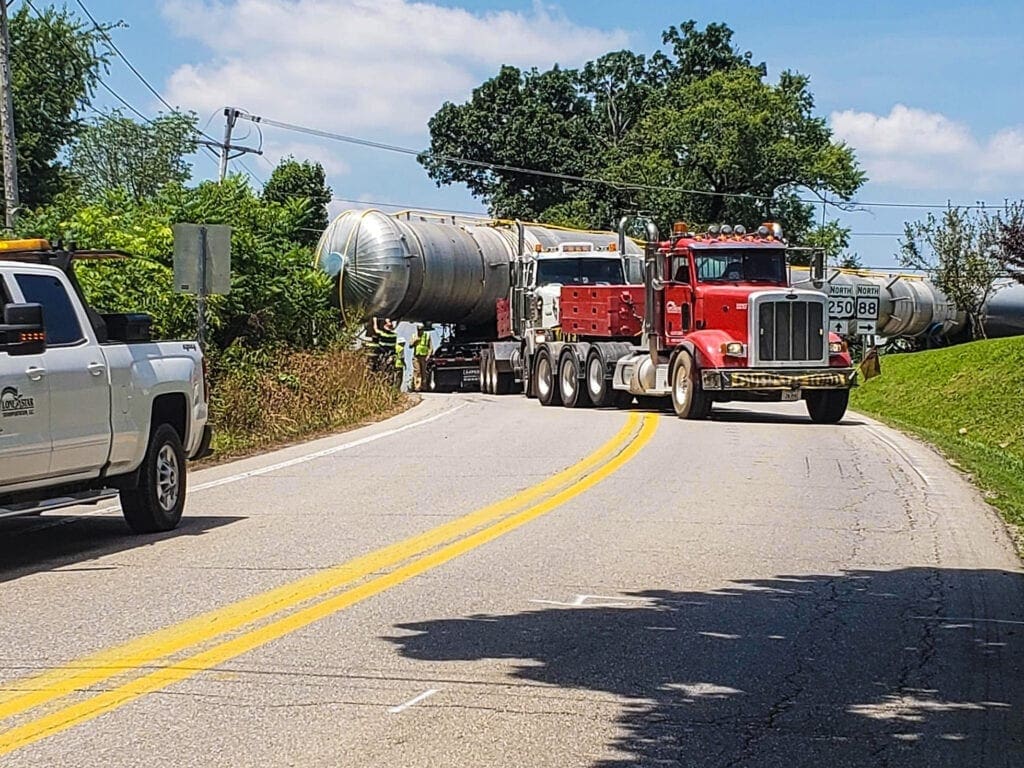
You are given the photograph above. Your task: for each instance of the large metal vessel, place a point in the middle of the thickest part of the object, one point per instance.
(429, 267)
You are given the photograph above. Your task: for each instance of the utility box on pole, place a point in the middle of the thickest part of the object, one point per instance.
(202, 264)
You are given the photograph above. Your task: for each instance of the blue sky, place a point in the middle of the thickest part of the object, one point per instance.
(926, 92)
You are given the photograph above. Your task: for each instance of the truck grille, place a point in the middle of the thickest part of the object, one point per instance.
(790, 330)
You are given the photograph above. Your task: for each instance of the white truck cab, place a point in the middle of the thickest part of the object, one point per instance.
(89, 407)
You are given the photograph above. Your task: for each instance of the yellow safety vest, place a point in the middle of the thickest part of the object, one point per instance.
(423, 345)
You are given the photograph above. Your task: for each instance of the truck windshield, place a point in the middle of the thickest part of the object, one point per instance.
(750, 265)
(580, 271)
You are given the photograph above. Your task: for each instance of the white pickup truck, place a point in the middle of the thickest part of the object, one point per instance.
(89, 407)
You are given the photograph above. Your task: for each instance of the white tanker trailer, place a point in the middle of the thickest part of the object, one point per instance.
(460, 272)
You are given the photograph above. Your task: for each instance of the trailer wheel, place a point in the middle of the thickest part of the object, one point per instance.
(689, 400)
(574, 391)
(827, 406)
(546, 381)
(485, 382)
(599, 388)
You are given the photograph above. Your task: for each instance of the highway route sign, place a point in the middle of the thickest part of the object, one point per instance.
(867, 297)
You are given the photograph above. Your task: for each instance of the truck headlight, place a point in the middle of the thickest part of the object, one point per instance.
(836, 347)
(734, 349)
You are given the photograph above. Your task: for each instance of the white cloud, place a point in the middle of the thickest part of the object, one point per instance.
(915, 148)
(376, 66)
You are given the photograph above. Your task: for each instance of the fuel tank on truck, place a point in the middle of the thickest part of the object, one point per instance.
(431, 267)
(1004, 312)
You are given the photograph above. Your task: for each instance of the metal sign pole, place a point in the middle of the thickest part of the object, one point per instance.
(201, 292)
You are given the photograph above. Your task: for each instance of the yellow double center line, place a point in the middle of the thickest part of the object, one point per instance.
(152, 662)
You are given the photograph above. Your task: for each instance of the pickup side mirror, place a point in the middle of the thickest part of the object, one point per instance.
(22, 331)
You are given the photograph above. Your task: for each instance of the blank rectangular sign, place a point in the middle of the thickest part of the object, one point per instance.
(188, 250)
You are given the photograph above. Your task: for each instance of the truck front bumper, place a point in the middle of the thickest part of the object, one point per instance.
(718, 379)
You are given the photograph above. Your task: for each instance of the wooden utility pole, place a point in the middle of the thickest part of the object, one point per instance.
(7, 145)
(225, 147)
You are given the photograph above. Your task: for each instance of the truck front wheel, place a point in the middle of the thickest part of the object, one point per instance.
(827, 406)
(156, 503)
(689, 400)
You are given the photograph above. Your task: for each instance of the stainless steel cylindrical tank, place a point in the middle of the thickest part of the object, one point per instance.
(424, 266)
(1004, 312)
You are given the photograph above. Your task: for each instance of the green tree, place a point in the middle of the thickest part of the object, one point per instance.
(1011, 240)
(697, 116)
(523, 119)
(276, 298)
(115, 152)
(960, 253)
(834, 240)
(304, 183)
(56, 62)
(747, 145)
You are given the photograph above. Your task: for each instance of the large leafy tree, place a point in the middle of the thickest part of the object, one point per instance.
(749, 146)
(115, 152)
(56, 61)
(303, 182)
(697, 115)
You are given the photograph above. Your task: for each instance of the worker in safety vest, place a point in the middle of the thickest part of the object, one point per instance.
(399, 361)
(380, 341)
(422, 349)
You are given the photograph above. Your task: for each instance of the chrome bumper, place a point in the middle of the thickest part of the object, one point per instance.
(717, 379)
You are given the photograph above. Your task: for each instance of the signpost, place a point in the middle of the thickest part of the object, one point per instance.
(842, 308)
(202, 265)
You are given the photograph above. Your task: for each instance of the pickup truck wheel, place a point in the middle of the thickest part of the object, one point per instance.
(157, 502)
(689, 400)
(827, 406)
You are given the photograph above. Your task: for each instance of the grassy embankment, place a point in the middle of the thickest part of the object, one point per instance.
(968, 401)
(269, 399)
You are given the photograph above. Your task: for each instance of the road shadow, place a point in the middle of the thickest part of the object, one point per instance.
(915, 667)
(730, 413)
(37, 544)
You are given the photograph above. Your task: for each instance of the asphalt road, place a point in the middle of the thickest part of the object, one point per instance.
(482, 581)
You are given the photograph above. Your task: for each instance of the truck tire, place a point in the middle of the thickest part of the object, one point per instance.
(827, 406)
(570, 383)
(599, 388)
(485, 379)
(528, 380)
(689, 400)
(546, 382)
(156, 503)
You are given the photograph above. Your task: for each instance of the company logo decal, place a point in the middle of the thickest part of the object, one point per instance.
(13, 403)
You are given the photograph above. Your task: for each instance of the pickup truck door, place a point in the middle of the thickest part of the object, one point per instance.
(24, 415)
(76, 371)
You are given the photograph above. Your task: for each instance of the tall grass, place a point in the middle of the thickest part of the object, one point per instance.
(264, 398)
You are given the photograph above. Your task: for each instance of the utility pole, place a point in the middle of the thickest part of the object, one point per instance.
(7, 144)
(225, 147)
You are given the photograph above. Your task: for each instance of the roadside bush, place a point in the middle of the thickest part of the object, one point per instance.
(260, 398)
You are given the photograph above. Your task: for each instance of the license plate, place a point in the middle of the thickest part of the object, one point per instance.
(790, 395)
(471, 374)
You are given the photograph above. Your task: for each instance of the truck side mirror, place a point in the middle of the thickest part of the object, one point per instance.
(22, 331)
(818, 267)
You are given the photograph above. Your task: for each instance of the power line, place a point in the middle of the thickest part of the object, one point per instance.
(145, 82)
(372, 144)
(99, 80)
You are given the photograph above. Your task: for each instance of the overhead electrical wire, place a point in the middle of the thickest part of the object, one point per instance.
(372, 144)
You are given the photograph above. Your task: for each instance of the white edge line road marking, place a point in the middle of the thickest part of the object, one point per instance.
(413, 701)
(272, 467)
(901, 453)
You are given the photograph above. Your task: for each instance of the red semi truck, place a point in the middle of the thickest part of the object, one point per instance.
(716, 320)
